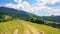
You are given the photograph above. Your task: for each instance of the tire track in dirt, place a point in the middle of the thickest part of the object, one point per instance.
(28, 29)
(16, 31)
(32, 29)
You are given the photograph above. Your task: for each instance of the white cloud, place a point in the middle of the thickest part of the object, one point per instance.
(20, 6)
(50, 1)
(18, 1)
(10, 5)
(27, 6)
(55, 11)
(39, 7)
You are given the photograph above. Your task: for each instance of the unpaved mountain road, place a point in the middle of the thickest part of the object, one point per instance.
(27, 29)
(31, 29)
(16, 31)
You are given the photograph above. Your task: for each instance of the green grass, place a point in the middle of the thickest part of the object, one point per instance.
(46, 29)
(10, 26)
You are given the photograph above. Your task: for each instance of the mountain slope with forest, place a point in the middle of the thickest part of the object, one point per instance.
(16, 13)
(14, 21)
(52, 18)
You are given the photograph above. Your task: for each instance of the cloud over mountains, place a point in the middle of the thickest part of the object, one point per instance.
(40, 7)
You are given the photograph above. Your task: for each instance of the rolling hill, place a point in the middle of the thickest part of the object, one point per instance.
(25, 27)
(14, 21)
(52, 18)
(16, 13)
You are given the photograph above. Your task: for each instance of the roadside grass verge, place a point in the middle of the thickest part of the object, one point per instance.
(10, 26)
(45, 28)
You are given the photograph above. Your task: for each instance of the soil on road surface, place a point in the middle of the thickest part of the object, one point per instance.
(27, 29)
(31, 29)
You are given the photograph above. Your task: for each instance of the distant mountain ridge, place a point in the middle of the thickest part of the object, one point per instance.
(18, 13)
(52, 18)
(23, 15)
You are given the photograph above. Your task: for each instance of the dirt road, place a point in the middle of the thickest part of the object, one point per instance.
(28, 29)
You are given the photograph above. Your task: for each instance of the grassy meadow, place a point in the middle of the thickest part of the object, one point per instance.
(10, 26)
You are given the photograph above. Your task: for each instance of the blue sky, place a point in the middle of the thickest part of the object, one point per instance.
(38, 7)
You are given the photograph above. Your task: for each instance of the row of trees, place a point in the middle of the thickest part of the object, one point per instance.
(45, 22)
(5, 17)
(36, 20)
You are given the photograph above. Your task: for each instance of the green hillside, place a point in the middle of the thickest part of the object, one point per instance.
(7, 14)
(14, 21)
(52, 18)
(10, 27)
